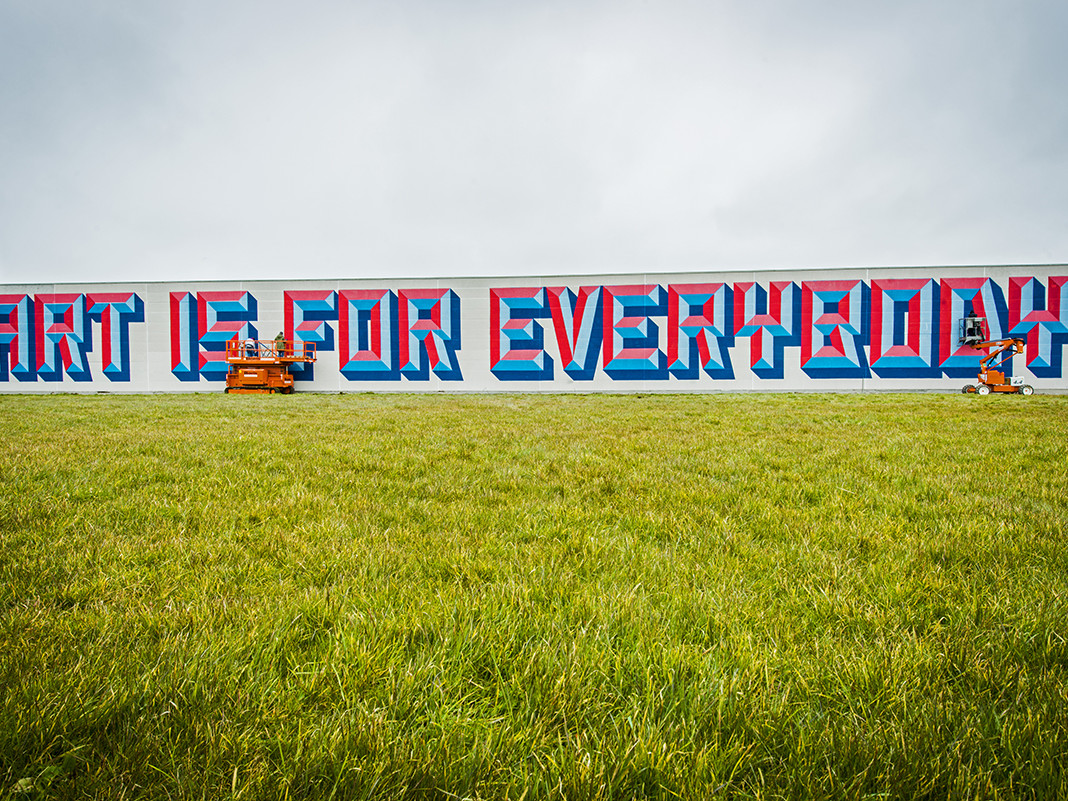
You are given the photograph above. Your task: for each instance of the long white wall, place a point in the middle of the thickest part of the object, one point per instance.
(836, 329)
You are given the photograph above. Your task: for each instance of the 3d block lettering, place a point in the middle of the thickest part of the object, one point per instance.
(890, 329)
(577, 322)
(305, 314)
(18, 356)
(771, 320)
(202, 324)
(959, 297)
(904, 328)
(222, 316)
(115, 311)
(185, 349)
(368, 323)
(63, 337)
(834, 329)
(1041, 316)
(699, 330)
(517, 340)
(631, 337)
(429, 334)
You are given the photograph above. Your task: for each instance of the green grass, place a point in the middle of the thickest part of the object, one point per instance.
(583, 597)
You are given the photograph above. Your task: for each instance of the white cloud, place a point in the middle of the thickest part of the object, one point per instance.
(257, 140)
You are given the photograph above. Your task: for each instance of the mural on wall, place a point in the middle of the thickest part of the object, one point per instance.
(672, 333)
(48, 336)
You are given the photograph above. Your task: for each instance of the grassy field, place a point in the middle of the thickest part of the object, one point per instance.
(581, 597)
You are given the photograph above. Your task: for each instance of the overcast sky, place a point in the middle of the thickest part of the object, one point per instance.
(194, 139)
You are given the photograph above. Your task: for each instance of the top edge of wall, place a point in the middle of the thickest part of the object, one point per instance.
(518, 276)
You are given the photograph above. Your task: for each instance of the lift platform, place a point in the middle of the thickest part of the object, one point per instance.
(262, 365)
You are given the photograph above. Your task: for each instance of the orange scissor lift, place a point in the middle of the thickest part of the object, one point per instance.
(262, 365)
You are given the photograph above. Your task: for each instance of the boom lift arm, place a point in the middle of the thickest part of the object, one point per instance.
(996, 362)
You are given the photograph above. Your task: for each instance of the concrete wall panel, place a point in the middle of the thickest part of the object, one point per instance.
(789, 330)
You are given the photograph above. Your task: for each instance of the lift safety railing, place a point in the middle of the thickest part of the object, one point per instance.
(275, 351)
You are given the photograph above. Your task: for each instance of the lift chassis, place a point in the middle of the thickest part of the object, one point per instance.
(262, 365)
(997, 361)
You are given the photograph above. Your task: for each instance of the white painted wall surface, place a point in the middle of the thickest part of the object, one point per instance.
(136, 337)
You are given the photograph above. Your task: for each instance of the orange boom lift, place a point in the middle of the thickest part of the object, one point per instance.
(262, 365)
(996, 362)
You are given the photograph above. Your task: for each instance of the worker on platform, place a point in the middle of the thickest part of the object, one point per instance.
(973, 329)
(280, 344)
